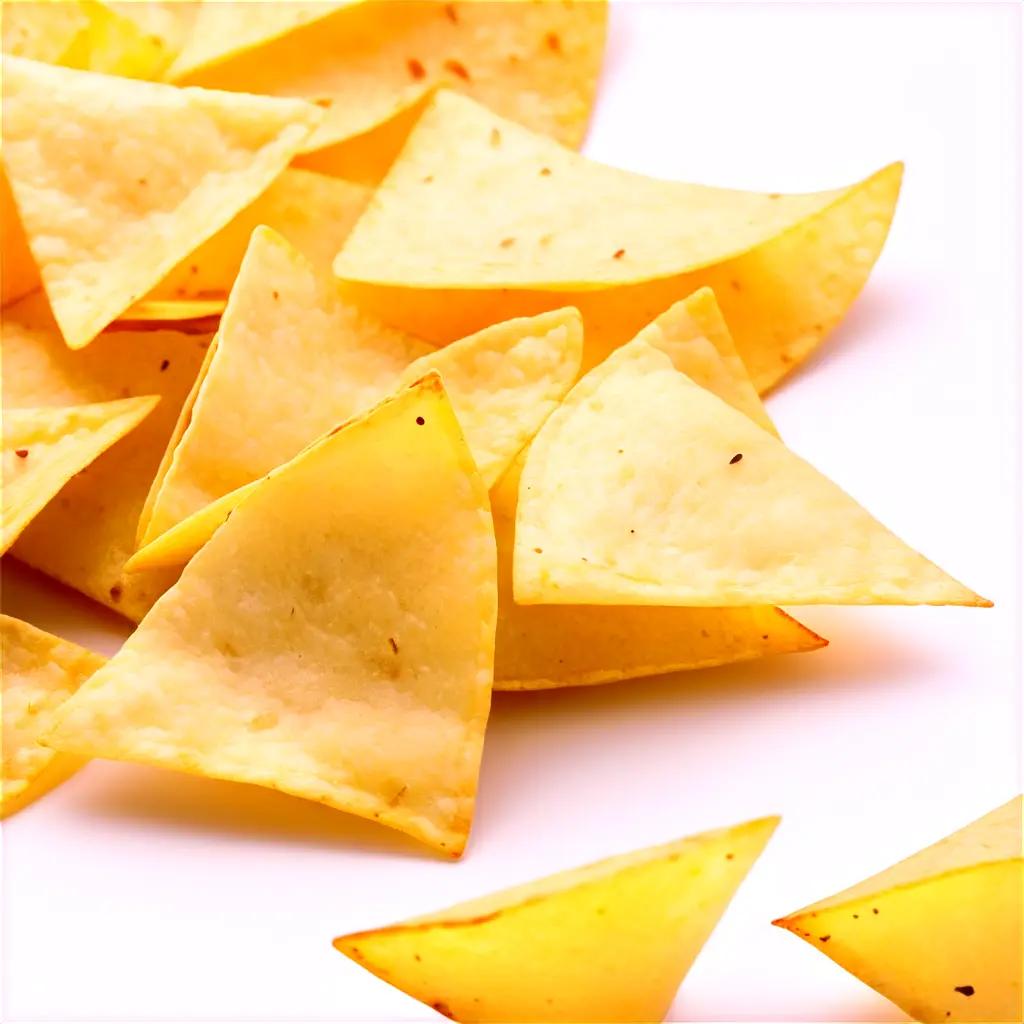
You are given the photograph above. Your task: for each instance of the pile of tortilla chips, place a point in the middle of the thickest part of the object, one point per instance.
(331, 364)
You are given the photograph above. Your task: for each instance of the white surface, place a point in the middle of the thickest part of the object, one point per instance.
(132, 893)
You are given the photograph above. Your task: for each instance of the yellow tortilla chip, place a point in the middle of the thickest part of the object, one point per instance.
(293, 360)
(42, 30)
(162, 30)
(109, 198)
(18, 272)
(44, 448)
(607, 942)
(40, 672)
(541, 227)
(84, 537)
(941, 934)
(365, 63)
(644, 488)
(335, 638)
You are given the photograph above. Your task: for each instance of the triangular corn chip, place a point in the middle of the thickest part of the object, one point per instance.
(607, 942)
(941, 934)
(313, 212)
(367, 62)
(19, 274)
(320, 362)
(44, 448)
(110, 199)
(42, 30)
(541, 227)
(84, 537)
(644, 488)
(161, 28)
(335, 638)
(40, 672)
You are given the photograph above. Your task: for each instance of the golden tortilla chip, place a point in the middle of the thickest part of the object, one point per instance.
(367, 62)
(313, 212)
(19, 274)
(941, 934)
(40, 672)
(163, 29)
(110, 199)
(334, 640)
(607, 942)
(541, 227)
(644, 488)
(42, 30)
(44, 448)
(99, 508)
(293, 360)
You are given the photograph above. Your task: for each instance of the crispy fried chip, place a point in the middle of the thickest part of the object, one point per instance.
(541, 227)
(40, 672)
(607, 942)
(18, 272)
(44, 448)
(940, 934)
(644, 488)
(367, 62)
(109, 198)
(293, 360)
(84, 537)
(335, 638)
(42, 29)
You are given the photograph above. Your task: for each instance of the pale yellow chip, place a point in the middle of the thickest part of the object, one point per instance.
(333, 640)
(540, 227)
(40, 672)
(85, 535)
(44, 448)
(110, 195)
(941, 934)
(42, 30)
(293, 360)
(607, 942)
(367, 62)
(644, 488)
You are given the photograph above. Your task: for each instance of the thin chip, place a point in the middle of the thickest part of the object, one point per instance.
(44, 448)
(40, 673)
(644, 488)
(365, 63)
(335, 638)
(541, 227)
(85, 536)
(104, 231)
(961, 900)
(610, 941)
(18, 272)
(42, 30)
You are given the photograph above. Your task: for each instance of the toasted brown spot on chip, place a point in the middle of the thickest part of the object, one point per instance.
(416, 69)
(457, 68)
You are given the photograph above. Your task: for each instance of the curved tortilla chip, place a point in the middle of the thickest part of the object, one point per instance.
(84, 537)
(365, 63)
(44, 448)
(43, 30)
(619, 246)
(607, 942)
(962, 900)
(19, 274)
(644, 488)
(335, 638)
(40, 672)
(109, 199)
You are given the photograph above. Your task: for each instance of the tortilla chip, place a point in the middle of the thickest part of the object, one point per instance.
(607, 942)
(44, 448)
(313, 212)
(41, 30)
(40, 672)
(163, 28)
(365, 63)
(644, 488)
(104, 230)
(334, 640)
(541, 227)
(100, 508)
(940, 934)
(18, 272)
(322, 361)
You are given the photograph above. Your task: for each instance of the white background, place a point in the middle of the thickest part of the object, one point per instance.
(133, 893)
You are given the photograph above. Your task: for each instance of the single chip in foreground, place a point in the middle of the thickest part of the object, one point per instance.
(607, 942)
(940, 934)
(540, 227)
(44, 448)
(335, 638)
(109, 199)
(40, 672)
(644, 488)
